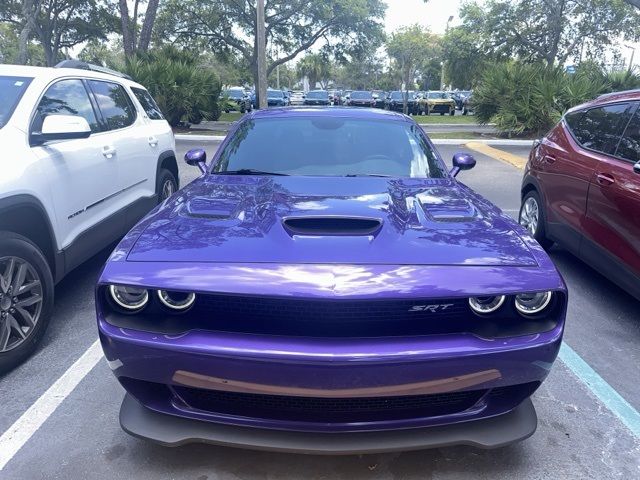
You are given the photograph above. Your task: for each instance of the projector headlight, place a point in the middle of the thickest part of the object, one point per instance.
(533, 303)
(130, 299)
(486, 305)
(176, 300)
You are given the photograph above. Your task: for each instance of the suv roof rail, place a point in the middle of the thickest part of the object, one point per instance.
(623, 92)
(89, 66)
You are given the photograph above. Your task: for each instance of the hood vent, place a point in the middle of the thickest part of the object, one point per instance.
(332, 226)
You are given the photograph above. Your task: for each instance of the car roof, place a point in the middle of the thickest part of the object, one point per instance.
(51, 73)
(342, 112)
(607, 98)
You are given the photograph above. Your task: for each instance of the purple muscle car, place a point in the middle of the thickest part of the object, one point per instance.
(328, 286)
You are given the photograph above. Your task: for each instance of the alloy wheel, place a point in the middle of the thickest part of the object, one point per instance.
(530, 215)
(167, 190)
(20, 301)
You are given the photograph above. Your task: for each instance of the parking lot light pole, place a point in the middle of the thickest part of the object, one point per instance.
(262, 56)
(633, 51)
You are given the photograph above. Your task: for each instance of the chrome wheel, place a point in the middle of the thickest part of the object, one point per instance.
(530, 215)
(168, 189)
(20, 301)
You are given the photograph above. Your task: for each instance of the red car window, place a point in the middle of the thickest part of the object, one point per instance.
(629, 147)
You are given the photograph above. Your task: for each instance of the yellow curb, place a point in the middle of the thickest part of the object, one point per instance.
(515, 160)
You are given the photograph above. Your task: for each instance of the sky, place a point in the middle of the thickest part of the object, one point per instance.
(433, 14)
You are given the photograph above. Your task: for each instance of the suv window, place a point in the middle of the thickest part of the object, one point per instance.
(629, 146)
(148, 103)
(114, 103)
(66, 97)
(600, 128)
(11, 90)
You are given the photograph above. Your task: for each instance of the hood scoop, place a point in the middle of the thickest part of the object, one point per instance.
(332, 226)
(451, 211)
(202, 207)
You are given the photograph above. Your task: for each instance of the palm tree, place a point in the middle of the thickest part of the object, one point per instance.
(316, 68)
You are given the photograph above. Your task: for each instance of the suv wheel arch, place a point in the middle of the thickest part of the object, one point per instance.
(25, 215)
(167, 161)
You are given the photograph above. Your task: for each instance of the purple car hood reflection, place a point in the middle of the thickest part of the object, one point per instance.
(330, 220)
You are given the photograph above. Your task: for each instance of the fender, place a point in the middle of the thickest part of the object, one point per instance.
(173, 168)
(54, 256)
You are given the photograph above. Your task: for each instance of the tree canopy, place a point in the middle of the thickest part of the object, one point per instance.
(552, 31)
(292, 26)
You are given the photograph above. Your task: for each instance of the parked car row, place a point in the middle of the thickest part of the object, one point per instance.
(418, 103)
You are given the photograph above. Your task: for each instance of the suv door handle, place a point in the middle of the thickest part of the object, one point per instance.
(153, 141)
(605, 179)
(108, 151)
(549, 159)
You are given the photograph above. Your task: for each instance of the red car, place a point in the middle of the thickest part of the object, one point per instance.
(581, 187)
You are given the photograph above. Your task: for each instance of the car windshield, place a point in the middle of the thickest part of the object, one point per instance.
(11, 90)
(275, 94)
(234, 93)
(318, 95)
(439, 95)
(329, 146)
(400, 95)
(361, 95)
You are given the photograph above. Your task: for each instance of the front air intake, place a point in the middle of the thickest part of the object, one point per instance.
(332, 226)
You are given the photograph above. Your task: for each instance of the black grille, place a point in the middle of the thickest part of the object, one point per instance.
(331, 311)
(316, 409)
(310, 317)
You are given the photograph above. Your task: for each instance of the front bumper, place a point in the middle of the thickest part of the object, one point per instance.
(441, 108)
(174, 431)
(310, 384)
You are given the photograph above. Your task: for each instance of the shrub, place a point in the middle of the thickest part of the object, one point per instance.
(182, 87)
(525, 98)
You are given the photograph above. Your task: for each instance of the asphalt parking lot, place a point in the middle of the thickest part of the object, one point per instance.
(585, 430)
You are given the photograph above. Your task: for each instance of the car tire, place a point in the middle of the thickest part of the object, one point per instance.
(532, 218)
(25, 254)
(167, 185)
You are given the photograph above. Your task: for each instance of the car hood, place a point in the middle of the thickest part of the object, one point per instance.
(361, 220)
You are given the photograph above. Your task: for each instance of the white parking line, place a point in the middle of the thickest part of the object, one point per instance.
(23, 429)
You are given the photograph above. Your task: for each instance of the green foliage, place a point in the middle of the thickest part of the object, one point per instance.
(413, 51)
(9, 47)
(317, 68)
(551, 31)
(463, 56)
(292, 26)
(182, 87)
(625, 80)
(525, 98)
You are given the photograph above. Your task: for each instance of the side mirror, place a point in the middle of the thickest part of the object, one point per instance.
(462, 161)
(636, 167)
(197, 157)
(61, 127)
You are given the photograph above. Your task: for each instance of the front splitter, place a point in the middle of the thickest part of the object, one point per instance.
(174, 431)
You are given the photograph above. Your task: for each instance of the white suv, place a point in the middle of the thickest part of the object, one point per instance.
(86, 155)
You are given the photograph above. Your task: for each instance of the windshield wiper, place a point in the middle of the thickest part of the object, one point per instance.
(249, 171)
(366, 175)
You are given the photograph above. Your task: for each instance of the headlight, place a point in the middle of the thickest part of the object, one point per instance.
(176, 300)
(532, 303)
(485, 305)
(130, 299)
